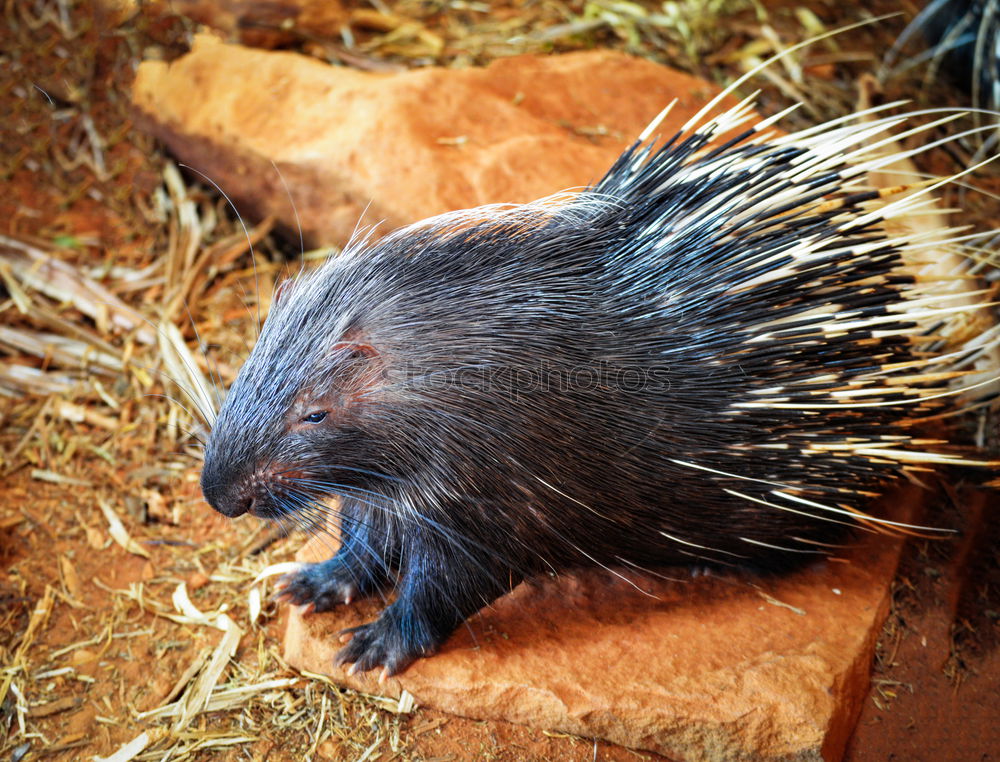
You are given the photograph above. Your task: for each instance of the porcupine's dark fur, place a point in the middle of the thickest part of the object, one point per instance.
(699, 360)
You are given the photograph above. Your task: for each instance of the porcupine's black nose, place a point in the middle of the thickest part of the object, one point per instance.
(233, 508)
(227, 501)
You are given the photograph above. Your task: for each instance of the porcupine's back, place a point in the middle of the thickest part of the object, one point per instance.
(802, 349)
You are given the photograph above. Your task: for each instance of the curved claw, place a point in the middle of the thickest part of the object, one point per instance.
(379, 644)
(281, 596)
(282, 585)
(322, 585)
(345, 635)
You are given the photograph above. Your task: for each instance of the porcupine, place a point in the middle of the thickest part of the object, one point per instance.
(715, 355)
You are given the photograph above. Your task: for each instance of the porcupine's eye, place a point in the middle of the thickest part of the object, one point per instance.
(315, 417)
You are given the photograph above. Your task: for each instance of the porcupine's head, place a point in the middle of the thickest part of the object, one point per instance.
(345, 392)
(293, 426)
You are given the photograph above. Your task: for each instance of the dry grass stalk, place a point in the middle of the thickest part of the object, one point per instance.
(39, 271)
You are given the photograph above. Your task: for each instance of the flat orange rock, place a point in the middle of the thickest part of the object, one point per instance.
(392, 149)
(704, 668)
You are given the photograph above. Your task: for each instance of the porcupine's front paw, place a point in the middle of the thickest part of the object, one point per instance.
(326, 585)
(386, 643)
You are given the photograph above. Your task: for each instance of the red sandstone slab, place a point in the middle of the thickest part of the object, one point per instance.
(396, 148)
(710, 668)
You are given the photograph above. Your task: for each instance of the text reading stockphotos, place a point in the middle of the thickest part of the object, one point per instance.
(540, 378)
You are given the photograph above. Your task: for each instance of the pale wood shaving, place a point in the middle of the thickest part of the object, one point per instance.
(118, 532)
(134, 748)
(196, 699)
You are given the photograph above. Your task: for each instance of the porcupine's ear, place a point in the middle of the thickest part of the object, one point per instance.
(355, 350)
(354, 343)
(359, 363)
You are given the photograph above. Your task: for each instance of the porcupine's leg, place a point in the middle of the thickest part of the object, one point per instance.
(362, 566)
(439, 589)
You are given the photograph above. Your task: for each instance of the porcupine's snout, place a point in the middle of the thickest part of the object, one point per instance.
(228, 498)
(227, 484)
(232, 487)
